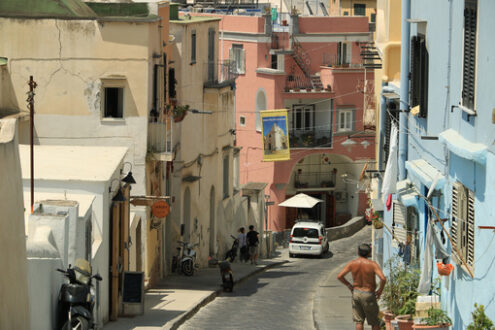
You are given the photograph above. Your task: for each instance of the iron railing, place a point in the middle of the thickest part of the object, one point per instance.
(219, 73)
(315, 138)
(315, 179)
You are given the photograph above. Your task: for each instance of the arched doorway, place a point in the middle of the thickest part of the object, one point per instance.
(260, 105)
(212, 222)
(187, 215)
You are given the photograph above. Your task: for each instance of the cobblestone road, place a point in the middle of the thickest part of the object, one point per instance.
(302, 294)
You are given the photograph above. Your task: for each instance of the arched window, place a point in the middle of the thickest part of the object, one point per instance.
(260, 105)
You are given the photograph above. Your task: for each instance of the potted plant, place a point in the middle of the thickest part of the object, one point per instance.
(480, 320)
(399, 295)
(180, 112)
(437, 319)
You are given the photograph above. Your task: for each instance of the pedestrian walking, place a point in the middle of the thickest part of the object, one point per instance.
(243, 249)
(364, 293)
(252, 242)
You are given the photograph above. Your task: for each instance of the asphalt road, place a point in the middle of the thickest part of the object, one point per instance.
(301, 294)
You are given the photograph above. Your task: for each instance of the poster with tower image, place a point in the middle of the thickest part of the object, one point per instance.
(275, 137)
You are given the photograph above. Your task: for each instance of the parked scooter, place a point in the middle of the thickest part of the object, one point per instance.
(225, 273)
(232, 253)
(186, 259)
(76, 299)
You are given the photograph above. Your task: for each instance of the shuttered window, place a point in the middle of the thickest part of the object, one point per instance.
(193, 46)
(419, 75)
(469, 54)
(462, 229)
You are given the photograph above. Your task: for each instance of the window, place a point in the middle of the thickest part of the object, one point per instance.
(344, 53)
(274, 64)
(346, 13)
(469, 54)
(359, 9)
(260, 106)
(391, 116)
(236, 168)
(303, 118)
(113, 99)
(193, 46)
(237, 56)
(171, 83)
(345, 120)
(242, 121)
(419, 75)
(373, 18)
(462, 229)
(226, 176)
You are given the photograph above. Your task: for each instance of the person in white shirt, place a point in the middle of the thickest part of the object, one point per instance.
(243, 255)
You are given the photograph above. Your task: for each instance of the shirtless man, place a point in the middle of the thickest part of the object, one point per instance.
(364, 293)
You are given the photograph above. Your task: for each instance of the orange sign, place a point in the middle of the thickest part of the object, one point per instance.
(160, 209)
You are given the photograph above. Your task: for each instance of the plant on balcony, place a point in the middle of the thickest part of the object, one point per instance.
(179, 112)
(308, 139)
(480, 320)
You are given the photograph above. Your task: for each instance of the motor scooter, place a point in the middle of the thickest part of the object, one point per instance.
(186, 259)
(76, 299)
(225, 273)
(232, 253)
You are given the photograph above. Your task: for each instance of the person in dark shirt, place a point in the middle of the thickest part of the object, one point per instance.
(252, 242)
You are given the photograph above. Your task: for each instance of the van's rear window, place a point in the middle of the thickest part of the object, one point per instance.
(308, 232)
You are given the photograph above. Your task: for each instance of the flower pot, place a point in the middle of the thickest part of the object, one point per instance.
(405, 322)
(388, 317)
(439, 327)
(444, 269)
(377, 224)
(180, 117)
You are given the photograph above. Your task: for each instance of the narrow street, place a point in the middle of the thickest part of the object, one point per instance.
(301, 294)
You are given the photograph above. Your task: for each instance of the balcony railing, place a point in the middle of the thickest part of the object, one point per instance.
(317, 138)
(220, 73)
(312, 180)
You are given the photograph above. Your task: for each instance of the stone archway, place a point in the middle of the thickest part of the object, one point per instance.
(260, 105)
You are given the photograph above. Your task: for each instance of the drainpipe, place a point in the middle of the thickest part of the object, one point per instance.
(381, 137)
(404, 87)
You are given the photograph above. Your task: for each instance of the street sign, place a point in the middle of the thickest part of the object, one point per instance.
(160, 209)
(270, 203)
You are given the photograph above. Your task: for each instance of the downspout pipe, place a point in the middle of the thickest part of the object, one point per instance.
(381, 135)
(404, 86)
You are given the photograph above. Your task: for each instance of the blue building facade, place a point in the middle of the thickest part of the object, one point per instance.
(445, 110)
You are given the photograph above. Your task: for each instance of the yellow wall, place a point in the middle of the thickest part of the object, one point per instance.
(69, 57)
(339, 7)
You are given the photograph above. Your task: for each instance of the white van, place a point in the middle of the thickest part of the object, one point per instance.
(308, 237)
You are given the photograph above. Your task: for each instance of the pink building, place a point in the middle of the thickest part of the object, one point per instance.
(313, 69)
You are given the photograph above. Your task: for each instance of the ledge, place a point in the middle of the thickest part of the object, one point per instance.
(270, 71)
(457, 144)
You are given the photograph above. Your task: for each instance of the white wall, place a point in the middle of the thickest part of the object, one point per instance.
(14, 308)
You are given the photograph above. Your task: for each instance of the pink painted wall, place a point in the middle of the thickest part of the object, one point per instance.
(333, 24)
(253, 169)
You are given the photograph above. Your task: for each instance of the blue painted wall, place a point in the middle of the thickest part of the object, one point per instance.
(444, 34)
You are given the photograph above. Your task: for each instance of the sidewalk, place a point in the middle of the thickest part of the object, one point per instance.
(178, 297)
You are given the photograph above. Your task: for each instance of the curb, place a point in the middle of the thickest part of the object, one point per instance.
(181, 319)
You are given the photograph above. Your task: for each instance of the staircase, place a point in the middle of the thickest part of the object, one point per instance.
(369, 55)
(303, 61)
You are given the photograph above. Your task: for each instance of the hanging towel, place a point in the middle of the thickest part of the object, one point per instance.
(432, 239)
(390, 177)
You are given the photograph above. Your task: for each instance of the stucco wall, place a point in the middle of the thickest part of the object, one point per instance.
(14, 308)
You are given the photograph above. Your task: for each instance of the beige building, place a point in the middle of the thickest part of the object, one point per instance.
(101, 79)
(207, 202)
(353, 8)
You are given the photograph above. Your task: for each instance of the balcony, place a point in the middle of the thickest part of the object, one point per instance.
(160, 139)
(316, 138)
(314, 180)
(220, 74)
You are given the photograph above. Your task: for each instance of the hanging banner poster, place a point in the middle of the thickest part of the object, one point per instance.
(275, 135)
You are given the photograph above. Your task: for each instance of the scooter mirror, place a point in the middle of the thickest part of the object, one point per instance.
(98, 277)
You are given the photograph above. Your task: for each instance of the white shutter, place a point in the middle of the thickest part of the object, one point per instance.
(470, 229)
(400, 214)
(401, 234)
(243, 61)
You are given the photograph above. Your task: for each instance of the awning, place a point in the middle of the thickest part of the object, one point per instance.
(457, 144)
(426, 173)
(301, 200)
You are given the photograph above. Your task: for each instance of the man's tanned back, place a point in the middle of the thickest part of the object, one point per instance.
(363, 274)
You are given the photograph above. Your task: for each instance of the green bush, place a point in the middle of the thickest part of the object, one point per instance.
(480, 320)
(436, 316)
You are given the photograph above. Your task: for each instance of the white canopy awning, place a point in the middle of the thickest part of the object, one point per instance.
(300, 200)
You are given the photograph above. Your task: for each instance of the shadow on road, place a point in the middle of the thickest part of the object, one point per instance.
(326, 255)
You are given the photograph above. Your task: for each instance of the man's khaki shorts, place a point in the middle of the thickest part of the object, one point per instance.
(364, 306)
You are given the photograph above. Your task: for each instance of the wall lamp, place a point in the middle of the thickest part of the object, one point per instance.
(119, 196)
(128, 178)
